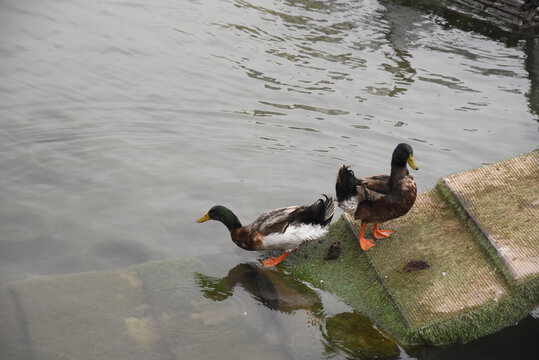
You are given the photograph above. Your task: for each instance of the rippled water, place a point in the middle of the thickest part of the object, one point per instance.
(124, 121)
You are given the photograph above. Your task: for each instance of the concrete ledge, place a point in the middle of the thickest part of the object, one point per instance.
(171, 309)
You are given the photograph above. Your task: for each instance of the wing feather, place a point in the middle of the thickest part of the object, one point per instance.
(378, 183)
(274, 221)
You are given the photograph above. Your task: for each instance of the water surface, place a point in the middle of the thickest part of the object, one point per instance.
(124, 121)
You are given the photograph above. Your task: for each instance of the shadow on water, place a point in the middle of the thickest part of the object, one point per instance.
(347, 334)
(451, 16)
(344, 334)
(515, 342)
(532, 66)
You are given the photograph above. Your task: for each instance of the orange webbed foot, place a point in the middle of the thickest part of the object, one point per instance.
(271, 261)
(365, 244)
(381, 234)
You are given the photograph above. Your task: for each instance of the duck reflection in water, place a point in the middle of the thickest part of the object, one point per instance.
(275, 290)
(347, 333)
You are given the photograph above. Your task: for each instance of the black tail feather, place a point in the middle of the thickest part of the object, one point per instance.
(346, 184)
(321, 212)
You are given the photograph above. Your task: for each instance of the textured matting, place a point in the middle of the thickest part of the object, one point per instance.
(503, 201)
(459, 277)
(470, 288)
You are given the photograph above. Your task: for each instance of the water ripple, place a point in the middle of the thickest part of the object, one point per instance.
(307, 107)
(120, 122)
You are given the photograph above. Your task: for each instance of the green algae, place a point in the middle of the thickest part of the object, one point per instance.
(350, 277)
(354, 335)
(466, 292)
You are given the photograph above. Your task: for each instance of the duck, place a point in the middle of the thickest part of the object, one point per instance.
(378, 198)
(282, 229)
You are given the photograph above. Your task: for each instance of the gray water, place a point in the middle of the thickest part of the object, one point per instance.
(122, 122)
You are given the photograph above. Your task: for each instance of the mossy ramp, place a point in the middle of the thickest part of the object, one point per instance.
(478, 233)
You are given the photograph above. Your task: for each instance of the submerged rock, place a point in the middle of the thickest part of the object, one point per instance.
(354, 335)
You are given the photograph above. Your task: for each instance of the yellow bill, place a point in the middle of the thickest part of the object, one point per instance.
(412, 163)
(204, 218)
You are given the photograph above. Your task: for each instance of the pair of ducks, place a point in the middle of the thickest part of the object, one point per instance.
(374, 199)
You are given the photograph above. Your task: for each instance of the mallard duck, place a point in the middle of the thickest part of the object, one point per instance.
(281, 229)
(379, 198)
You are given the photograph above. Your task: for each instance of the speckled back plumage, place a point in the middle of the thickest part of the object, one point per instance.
(286, 227)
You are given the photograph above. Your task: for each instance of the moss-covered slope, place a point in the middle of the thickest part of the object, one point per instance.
(470, 287)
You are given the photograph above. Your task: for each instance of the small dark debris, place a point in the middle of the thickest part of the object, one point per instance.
(416, 265)
(334, 251)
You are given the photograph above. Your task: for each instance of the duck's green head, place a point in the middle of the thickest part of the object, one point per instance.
(222, 214)
(403, 154)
